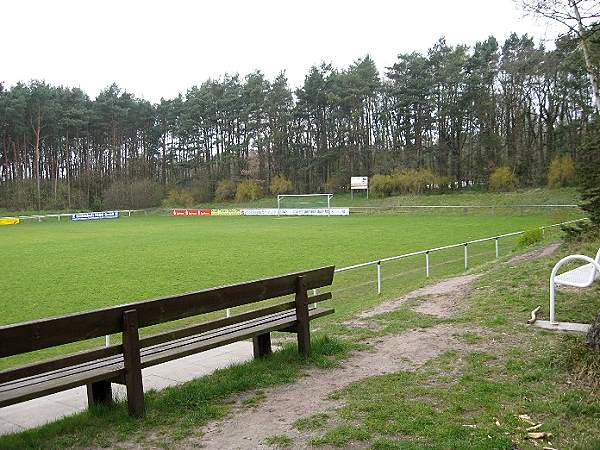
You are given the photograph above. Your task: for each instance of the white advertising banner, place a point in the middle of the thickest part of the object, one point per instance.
(296, 212)
(359, 182)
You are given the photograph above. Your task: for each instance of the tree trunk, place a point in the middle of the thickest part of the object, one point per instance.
(586, 55)
(37, 131)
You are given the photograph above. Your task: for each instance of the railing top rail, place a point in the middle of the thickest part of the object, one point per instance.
(467, 206)
(446, 247)
(41, 216)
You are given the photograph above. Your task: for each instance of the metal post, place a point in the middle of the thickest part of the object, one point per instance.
(228, 313)
(466, 256)
(497, 249)
(543, 231)
(427, 263)
(378, 277)
(129, 213)
(315, 293)
(107, 340)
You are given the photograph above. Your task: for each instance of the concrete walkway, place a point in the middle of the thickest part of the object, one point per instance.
(42, 410)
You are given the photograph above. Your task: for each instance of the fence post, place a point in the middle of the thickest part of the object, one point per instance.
(466, 255)
(497, 249)
(427, 263)
(378, 277)
(228, 313)
(315, 293)
(107, 340)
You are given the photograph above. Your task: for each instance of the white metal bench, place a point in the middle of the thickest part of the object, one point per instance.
(580, 277)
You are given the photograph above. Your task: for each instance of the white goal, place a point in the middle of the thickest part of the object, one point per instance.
(304, 201)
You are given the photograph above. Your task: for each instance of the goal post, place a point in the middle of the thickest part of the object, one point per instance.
(304, 201)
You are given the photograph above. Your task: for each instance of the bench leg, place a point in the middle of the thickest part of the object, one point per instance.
(133, 366)
(99, 392)
(303, 327)
(262, 345)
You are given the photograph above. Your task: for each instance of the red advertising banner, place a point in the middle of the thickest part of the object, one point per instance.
(191, 212)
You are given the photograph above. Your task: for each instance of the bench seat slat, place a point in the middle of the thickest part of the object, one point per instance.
(112, 366)
(89, 365)
(582, 276)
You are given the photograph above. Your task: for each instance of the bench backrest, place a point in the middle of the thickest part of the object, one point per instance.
(36, 335)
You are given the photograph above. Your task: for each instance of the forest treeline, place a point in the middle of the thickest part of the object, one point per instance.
(457, 111)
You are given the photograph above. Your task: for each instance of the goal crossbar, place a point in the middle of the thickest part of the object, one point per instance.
(326, 197)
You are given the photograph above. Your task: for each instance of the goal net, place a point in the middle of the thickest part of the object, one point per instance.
(304, 201)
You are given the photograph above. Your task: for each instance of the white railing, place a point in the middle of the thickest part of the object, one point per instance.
(40, 217)
(463, 206)
(465, 245)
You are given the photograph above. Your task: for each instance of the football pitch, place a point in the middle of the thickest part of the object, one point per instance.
(53, 268)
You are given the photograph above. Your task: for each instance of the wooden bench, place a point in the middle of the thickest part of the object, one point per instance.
(123, 363)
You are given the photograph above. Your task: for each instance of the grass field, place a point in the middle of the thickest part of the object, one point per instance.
(52, 268)
(55, 268)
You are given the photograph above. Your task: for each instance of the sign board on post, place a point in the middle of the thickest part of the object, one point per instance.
(359, 183)
(98, 215)
(191, 212)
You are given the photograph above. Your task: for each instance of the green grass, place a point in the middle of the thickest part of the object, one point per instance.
(172, 413)
(472, 398)
(64, 267)
(52, 268)
(279, 441)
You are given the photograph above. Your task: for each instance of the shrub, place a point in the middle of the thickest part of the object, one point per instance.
(178, 197)
(407, 181)
(136, 194)
(281, 185)
(248, 190)
(530, 237)
(502, 179)
(226, 190)
(561, 172)
(382, 185)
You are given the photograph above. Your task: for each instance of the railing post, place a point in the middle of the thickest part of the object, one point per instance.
(378, 277)
(315, 293)
(107, 340)
(427, 263)
(228, 313)
(466, 255)
(497, 249)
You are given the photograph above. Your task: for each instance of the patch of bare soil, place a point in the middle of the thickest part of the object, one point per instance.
(247, 428)
(534, 254)
(444, 301)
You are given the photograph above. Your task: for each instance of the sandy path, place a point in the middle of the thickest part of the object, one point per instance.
(247, 428)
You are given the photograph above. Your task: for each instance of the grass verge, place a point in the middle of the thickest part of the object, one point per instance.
(173, 412)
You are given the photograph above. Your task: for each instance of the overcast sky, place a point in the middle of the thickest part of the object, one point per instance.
(160, 48)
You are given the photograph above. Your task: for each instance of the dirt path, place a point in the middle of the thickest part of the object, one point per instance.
(445, 296)
(534, 254)
(247, 428)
